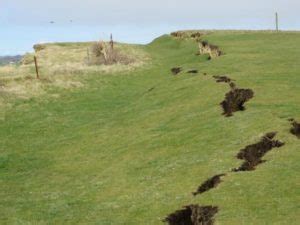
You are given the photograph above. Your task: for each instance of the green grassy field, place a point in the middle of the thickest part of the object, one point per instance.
(130, 147)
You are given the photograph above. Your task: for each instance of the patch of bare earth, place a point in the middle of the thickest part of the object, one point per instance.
(193, 215)
(209, 184)
(252, 154)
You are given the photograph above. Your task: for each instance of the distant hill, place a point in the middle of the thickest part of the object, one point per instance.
(9, 59)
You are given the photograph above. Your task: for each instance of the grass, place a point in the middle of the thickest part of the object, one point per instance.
(113, 152)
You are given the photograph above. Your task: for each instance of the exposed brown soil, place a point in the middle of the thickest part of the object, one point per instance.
(192, 71)
(252, 154)
(183, 35)
(196, 34)
(176, 70)
(209, 184)
(224, 79)
(178, 34)
(235, 99)
(212, 50)
(193, 215)
(295, 130)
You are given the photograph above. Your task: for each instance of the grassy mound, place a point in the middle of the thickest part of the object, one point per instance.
(131, 148)
(64, 66)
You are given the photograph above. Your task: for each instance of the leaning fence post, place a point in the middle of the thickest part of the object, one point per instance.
(36, 68)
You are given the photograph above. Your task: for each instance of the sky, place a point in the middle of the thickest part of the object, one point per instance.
(25, 22)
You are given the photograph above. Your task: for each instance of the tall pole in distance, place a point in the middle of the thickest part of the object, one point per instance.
(276, 20)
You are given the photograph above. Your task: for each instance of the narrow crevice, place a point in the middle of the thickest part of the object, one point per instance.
(192, 71)
(176, 70)
(252, 154)
(193, 215)
(209, 184)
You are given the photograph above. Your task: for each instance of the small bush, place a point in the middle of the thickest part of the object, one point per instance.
(104, 54)
(39, 47)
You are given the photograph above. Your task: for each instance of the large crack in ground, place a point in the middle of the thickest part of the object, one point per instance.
(235, 100)
(224, 79)
(252, 154)
(295, 130)
(193, 215)
(209, 184)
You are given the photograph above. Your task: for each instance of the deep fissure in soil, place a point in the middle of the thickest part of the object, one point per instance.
(295, 130)
(193, 215)
(209, 184)
(252, 154)
(235, 99)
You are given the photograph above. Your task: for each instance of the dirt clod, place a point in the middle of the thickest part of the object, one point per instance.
(224, 79)
(209, 184)
(193, 215)
(235, 100)
(295, 130)
(252, 154)
(176, 70)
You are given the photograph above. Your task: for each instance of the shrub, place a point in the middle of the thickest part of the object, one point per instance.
(102, 53)
(39, 47)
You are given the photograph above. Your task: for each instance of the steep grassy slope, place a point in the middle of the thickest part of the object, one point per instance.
(131, 147)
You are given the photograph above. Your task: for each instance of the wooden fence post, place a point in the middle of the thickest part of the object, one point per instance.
(36, 68)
